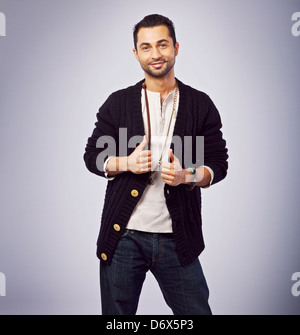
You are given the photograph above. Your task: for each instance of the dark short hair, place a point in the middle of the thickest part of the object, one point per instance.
(154, 20)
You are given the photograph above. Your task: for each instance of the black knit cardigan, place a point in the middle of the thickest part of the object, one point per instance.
(197, 116)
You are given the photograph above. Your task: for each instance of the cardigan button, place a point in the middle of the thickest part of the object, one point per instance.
(134, 193)
(104, 256)
(117, 227)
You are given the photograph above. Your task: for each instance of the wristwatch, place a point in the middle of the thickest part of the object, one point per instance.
(194, 178)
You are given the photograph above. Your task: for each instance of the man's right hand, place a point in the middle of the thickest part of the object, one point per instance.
(140, 160)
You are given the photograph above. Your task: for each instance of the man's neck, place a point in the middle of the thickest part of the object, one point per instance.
(163, 85)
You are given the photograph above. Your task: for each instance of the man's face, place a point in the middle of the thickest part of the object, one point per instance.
(155, 51)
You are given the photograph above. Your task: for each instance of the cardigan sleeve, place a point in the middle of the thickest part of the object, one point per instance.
(104, 140)
(215, 151)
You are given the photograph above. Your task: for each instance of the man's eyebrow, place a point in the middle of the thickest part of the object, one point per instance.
(158, 42)
(144, 43)
(161, 41)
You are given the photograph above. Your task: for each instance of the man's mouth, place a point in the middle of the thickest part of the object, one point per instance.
(157, 65)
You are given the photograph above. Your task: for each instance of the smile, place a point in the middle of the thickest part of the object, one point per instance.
(157, 65)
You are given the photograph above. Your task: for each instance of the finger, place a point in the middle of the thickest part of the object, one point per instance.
(144, 168)
(167, 181)
(166, 166)
(142, 145)
(171, 155)
(144, 160)
(146, 154)
(146, 165)
(173, 158)
(167, 176)
(168, 171)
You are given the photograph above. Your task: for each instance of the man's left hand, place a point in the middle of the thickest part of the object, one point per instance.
(172, 173)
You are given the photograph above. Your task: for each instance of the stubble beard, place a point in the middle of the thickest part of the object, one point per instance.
(160, 72)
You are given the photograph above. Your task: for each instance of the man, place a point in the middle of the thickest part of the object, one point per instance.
(151, 217)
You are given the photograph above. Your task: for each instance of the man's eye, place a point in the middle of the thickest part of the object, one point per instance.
(145, 48)
(163, 45)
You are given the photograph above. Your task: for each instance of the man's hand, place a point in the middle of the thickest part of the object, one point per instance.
(140, 160)
(172, 173)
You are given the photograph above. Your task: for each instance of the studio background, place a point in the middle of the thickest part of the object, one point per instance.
(60, 60)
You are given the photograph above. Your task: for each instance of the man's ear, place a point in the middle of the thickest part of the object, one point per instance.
(176, 48)
(136, 54)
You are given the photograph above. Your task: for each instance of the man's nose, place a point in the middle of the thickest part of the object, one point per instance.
(155, 53)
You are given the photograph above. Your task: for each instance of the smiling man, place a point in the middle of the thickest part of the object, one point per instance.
(157, 57)
(151, 217)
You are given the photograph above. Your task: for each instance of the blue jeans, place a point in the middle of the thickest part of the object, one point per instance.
(184, 288)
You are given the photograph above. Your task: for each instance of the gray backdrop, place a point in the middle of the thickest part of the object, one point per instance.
(60, 60)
